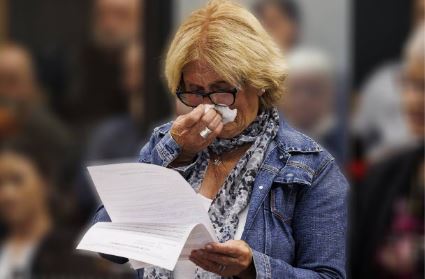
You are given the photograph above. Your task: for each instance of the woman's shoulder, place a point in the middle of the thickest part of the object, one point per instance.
(295, 143)
(299, 158)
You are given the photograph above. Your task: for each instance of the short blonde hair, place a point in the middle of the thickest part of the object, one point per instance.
(234, 44)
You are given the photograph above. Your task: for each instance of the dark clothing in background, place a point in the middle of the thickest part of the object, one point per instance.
(57, 257)
(96, 91)
(374, 213)
(116, 138)
(334, 142)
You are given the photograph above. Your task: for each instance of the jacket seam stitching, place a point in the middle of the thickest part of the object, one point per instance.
(321, 168)
(301, 165)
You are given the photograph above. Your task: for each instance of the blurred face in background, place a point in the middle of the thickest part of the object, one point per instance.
(116, 22)
(133, 68)
(413, 95)
(17, 78)
(308, 99)
(280, 26)
(133, 79)
(418, 12)
(22, 190)
(9, 123)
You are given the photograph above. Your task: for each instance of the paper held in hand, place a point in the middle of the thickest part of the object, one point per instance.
(156, 216)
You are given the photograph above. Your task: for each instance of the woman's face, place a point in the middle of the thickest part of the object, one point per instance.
(198, 76)
(22, 190)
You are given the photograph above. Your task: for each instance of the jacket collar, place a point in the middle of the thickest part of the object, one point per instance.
(291, 141)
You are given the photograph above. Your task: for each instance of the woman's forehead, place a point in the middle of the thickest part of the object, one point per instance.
(200, 73)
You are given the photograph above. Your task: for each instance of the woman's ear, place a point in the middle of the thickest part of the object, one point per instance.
(261, 92)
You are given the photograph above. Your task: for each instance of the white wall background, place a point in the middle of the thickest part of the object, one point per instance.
(326, 25)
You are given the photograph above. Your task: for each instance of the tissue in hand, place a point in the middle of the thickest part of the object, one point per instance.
(227, 114)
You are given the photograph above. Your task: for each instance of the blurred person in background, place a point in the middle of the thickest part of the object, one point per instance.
(96, 92)
(19, 86)
(387, 233)
(122, 136)
(379, 122)
(17, 76)
(281, 18)
(116, 23)
(23, 109)
(33, 240)
(309, 103)
(118, 137)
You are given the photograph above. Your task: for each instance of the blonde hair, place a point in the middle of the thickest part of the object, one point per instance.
(234, 44)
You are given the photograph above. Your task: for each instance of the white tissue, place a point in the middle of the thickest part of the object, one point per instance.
(227, 114)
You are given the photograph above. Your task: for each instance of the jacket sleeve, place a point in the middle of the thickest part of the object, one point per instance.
(162, 150)
(319, 224)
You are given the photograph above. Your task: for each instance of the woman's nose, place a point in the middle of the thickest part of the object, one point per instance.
(206, 100)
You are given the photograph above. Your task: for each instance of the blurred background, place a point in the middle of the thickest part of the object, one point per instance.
(81, 82)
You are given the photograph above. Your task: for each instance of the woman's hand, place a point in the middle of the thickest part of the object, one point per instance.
(232, 258)
(186, 131)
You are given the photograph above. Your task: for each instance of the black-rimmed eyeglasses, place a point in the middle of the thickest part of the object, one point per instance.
(218, 97)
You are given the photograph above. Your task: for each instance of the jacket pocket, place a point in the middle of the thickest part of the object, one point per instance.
(283, 196)
(282, 201)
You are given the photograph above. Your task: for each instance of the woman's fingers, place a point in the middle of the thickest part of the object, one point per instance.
(219, 258)
(209, 116)
(187, 129)
(190, 119)
(227, 248)
(230, 258)
(211, 120)
(219, 128)
(205, 264)
(214, 122)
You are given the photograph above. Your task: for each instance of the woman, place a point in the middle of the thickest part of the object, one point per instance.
(275, 198)
(32, 244)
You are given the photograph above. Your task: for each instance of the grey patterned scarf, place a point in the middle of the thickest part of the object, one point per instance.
(235, 193)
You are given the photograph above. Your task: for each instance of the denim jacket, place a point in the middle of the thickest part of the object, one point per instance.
(297, 215)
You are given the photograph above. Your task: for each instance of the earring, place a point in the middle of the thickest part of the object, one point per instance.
(262, 91)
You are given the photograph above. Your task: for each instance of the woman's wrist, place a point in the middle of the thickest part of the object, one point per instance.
(185, 158)
(248, 273)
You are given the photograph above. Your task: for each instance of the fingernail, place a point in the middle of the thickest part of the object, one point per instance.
(209, 247)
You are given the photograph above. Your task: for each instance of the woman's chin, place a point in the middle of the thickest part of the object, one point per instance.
(229, 131)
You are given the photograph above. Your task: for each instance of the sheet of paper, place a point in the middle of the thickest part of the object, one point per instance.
(156, 244)
(197, 239)
(144, 193)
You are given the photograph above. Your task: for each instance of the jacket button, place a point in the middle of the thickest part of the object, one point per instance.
(261, 187)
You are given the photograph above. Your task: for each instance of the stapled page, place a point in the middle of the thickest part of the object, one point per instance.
(156, 216)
